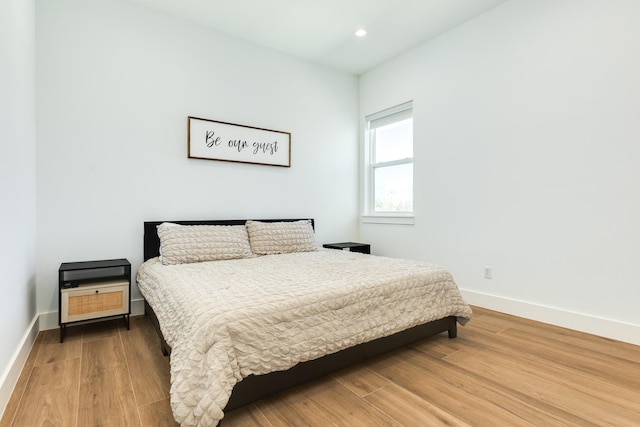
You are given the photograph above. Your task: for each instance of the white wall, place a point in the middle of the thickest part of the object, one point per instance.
(526, 156)
(116, 83)
(17, 188)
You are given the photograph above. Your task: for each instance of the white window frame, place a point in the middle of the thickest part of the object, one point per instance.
(390, 115)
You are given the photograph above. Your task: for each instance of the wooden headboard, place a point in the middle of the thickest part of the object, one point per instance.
(152, 241)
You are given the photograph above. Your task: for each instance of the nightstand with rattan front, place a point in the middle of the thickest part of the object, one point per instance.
(91, 290)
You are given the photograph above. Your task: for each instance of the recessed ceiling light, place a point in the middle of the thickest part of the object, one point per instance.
(361, 32)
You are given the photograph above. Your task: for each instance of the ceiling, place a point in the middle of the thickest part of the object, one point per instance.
(322, 31)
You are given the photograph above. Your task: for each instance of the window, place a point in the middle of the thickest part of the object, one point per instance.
(389, 163)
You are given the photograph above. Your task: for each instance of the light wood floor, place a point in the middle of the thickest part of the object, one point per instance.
(501, 370)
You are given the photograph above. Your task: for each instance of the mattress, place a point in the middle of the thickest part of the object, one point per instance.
(226, 320)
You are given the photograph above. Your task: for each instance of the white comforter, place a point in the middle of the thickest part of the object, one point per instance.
(226, 320)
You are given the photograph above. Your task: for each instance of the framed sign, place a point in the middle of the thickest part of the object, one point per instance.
(213, 140)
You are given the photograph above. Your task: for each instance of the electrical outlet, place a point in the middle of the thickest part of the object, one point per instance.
(487, 272)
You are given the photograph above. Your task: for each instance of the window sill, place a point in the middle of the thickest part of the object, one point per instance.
(388, 219)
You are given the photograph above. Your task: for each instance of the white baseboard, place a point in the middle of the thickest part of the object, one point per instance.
(10, 376)
(50, 320)
(607, 328)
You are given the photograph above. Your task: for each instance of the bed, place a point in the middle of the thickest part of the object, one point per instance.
(227, 354)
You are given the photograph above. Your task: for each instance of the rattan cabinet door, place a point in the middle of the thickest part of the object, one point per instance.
(92, 301)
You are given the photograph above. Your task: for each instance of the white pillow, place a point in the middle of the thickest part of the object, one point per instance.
(267, 238)
(182, 244)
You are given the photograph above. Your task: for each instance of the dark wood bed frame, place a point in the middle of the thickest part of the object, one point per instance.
(256, 387)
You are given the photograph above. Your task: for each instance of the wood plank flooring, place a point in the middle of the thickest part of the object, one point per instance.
(501, 370)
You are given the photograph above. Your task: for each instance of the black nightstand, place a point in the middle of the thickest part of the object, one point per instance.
(93, 290)
(350, 246)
